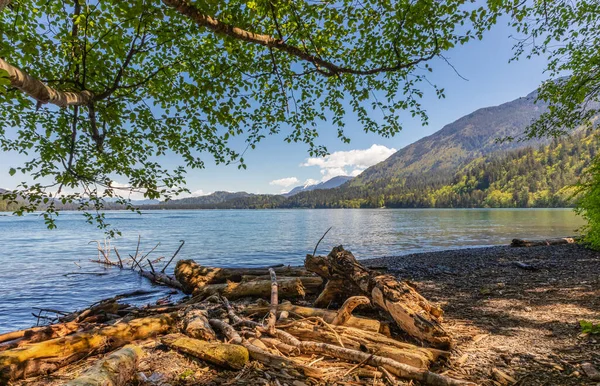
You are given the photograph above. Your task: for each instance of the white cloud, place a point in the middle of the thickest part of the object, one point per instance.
(349, 163)
(285, 182)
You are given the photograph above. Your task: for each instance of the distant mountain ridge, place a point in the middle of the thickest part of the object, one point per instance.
(329, 184)
(468, 137)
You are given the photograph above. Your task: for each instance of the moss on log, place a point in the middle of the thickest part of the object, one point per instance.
(222, 354)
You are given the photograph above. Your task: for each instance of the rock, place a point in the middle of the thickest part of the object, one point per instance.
(590, 371)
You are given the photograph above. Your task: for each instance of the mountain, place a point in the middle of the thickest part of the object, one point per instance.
(329, 184)
(471, 136)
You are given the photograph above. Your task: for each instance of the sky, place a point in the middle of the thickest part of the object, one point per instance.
(276, 166)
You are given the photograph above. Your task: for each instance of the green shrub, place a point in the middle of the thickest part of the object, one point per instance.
(589, 327)
(588, 204)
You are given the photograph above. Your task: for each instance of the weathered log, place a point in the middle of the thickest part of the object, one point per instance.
(540, 242)
(193, 276)
(114, 370)
(47, 356)
(289, 287)
(399, 369)
(411, 311)
(197, 326)
(38, 334)
(368, 341)
(327, 315)
(222, 354)
(259, 354)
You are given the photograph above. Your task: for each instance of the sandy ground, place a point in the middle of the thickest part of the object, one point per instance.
(522, 322)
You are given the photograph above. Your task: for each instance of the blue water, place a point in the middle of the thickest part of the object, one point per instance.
(34, 260)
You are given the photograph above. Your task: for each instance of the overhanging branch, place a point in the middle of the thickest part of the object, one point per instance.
(187, 9)
(40, 91)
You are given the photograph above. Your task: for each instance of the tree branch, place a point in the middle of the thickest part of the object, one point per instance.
(187, 9)
(41, 92)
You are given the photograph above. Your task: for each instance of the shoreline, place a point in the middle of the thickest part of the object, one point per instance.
(520, 320)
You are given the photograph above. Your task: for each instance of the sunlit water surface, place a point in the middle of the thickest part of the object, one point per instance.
(34, 260)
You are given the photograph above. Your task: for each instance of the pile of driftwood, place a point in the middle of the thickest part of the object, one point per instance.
(235, 317)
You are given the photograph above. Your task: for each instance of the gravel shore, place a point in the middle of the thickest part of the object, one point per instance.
(513, 311)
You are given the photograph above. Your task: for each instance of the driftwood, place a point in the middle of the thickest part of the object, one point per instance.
(537, 243)
(289, 288)
(222, 354)
(411, 311)
(393, 366)
(43, 357)
(115, 370)
(291, 341)
(371, 342)
(194, 276)
(327, 315)
(161, 278)
(197, 326)
(259, 354)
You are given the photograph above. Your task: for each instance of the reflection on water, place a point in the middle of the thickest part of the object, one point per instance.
(35, 259)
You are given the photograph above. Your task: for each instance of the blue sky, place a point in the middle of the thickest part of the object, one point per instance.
(276, 166)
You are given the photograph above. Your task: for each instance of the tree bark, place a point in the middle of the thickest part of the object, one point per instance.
(411, 311)
(115, 370)
(44, 357)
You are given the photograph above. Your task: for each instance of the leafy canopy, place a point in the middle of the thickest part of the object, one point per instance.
(204, 81)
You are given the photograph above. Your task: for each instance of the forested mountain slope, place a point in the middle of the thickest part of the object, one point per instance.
(469, 137)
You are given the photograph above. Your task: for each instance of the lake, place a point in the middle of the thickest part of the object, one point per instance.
(38, 264)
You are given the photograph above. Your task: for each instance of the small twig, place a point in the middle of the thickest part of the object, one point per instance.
(274, 302)
(176, 252)
(356, 366)
(151, 267)
(136, 263)
(119, 257)
(137, 249)
(152, 250)
(321, 239)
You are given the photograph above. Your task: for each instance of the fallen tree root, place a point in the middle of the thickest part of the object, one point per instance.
(411, 311)
(222, 354)
(47, 356)
(115, 370)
